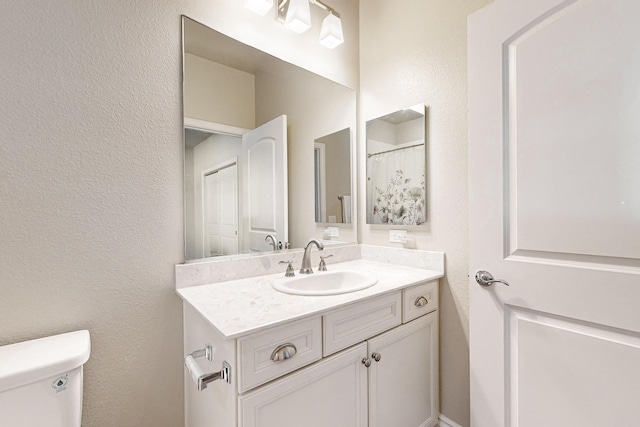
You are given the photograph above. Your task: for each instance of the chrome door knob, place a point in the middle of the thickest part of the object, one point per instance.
(484, 278)
(376, 356)
(366, 362)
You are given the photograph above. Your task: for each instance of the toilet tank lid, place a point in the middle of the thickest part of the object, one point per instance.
(31, 361)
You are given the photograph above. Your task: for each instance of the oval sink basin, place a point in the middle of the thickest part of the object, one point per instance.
(324, 283)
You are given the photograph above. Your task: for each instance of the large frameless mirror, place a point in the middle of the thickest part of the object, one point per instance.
(396, 159)
(251, 122)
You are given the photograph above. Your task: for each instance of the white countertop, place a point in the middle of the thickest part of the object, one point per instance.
(241, 307)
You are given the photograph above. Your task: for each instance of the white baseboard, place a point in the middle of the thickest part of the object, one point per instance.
(446, 422)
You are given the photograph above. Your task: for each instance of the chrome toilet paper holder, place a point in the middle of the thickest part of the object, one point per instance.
(201, 378)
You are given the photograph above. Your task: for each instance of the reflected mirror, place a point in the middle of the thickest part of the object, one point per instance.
(251, 124)
(396, 159)
(332, 180)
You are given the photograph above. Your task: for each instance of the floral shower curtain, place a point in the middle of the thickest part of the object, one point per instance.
(395, 187)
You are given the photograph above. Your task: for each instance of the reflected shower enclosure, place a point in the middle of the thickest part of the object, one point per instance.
(396, 168)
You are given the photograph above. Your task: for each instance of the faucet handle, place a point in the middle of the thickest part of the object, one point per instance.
(289, 272)
(323, 265)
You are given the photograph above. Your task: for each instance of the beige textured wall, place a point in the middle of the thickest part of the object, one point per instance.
(414, 51)
(91, 189)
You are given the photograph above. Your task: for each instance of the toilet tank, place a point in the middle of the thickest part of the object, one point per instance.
(41, 381)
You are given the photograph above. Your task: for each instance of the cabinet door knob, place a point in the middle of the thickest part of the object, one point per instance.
(421, 302)
(366, 362)
(284, 352)
(376, 356)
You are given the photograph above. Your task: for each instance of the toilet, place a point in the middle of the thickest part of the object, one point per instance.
(41, 381)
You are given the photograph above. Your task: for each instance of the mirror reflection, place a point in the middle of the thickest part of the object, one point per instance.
(396, 158)
(239, 186)
(332, 167)
(251, 121)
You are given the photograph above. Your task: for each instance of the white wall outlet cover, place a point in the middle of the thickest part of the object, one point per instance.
(333, 231)
(397, 236)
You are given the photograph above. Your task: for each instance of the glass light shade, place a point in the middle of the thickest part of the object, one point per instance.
(331, 32)
(298, 17)
(261, 7)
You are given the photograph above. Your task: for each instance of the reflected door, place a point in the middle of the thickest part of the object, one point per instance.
(264, 158)
(555, 211)
(220, 204)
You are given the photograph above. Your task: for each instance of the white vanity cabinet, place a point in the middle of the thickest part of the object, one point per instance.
(330, 393)
(372, 363)
(403, 376)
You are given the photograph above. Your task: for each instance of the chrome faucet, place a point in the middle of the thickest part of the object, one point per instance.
(306, 259)
(273, 241)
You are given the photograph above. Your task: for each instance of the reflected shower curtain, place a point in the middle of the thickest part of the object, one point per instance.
(395, 187)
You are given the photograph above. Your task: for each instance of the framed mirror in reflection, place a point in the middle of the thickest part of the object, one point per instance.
(250, 122)
(396, 159)
(332, 177)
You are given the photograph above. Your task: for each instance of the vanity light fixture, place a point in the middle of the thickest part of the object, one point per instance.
(296, 16)
(261, 7)
(331, 31)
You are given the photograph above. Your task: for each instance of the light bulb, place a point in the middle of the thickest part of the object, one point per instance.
(331, 31)
(298, 17)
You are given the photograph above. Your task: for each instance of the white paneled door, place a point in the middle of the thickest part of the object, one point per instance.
(265, 190)
(554, 152)
(220, 204)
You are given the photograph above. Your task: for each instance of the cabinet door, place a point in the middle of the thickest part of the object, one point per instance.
(403, 384)
(332, 392)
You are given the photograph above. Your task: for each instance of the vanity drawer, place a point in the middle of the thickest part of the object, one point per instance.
(419, 300)
(255, 352)
(357, 322)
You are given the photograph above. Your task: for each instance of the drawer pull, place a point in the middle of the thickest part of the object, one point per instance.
(366, 362)
(421, 302)
(284, 352)
(376, 356)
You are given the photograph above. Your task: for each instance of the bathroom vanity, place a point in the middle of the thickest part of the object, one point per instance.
(365, 358)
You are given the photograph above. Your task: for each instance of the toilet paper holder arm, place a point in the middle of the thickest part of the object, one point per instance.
(199, 377)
